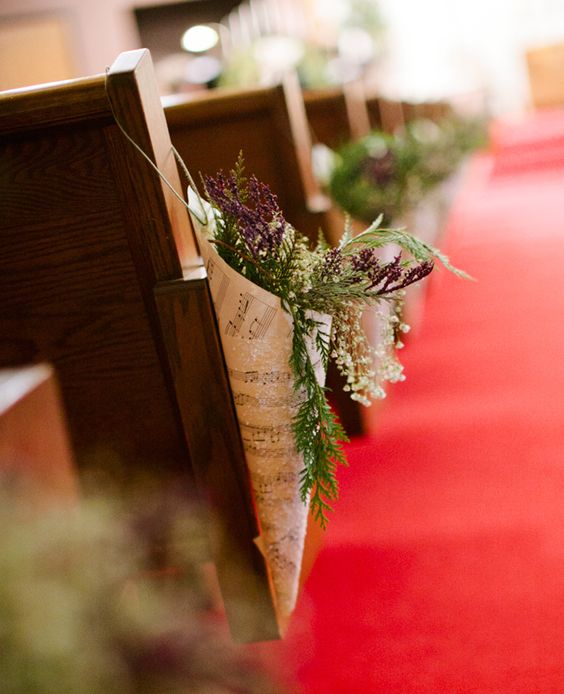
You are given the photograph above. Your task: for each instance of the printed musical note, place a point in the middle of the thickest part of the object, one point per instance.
(259, 326)
(265, 434)
(269, 442)
(278, 558)
(233, 327)
(267, 480)
(271, 377)
(265, 378)
(244, 399)
(278, 429)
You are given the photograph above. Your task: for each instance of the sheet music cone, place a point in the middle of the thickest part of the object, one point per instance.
(256, 335)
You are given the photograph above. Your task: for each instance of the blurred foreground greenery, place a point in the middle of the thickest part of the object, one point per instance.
(85, 610)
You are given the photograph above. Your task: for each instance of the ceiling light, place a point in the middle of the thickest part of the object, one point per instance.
(199, 38)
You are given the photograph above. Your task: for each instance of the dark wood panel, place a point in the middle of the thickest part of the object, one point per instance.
(373, 108)
(327, 114)
(323, 120)
(36, 172)
(433, 110)
(71, 295)
(88, 229)
(337, 114)
(249, 133)
(385, 114)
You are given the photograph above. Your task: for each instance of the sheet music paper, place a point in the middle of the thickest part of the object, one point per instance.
(256, 335)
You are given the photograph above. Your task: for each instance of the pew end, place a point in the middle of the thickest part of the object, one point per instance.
(36, 462)
(92, 279)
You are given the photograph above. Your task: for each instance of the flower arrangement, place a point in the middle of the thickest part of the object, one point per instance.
(252, 236)
(284, 311)
(389, 174)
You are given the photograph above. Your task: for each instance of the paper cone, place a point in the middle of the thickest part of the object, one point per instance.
(256, 335)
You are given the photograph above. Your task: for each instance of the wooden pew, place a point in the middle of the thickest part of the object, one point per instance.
(36, 462)
(337, 114)
(385, 114)
(430, 110)
(99, 274)
(545, 67)
(269, 126)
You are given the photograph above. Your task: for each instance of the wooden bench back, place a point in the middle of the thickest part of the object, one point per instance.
(87, 231)
(384, 114)
(430, 110)
(545, 68)
(337, 114)
(97, 276)
(269, 126)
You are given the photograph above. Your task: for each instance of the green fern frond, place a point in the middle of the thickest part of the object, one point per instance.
(317, 431)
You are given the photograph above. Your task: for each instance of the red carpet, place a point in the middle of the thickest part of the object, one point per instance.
(443, 567)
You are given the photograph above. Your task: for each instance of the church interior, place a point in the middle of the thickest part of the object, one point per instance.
(273, 416)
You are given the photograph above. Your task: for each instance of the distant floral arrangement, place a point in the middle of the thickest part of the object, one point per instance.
(390, 174)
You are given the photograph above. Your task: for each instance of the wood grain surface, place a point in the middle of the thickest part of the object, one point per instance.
(87, 231)
(337, 114)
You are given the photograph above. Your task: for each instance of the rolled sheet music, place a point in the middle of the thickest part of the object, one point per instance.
(256, 335)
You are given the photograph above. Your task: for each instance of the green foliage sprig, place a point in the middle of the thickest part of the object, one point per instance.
(317, 431)
(84, 608)
(252, 236)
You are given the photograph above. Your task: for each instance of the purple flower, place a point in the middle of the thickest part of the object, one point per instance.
(416, 273)
(380, 169)
(397, 278)
(365, 261)
(332, 264)
(387, 277)
(367, 264)
(254, 208)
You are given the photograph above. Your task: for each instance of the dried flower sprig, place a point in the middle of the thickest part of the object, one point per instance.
(252, 236)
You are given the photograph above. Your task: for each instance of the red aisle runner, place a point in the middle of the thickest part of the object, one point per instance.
(443, 568)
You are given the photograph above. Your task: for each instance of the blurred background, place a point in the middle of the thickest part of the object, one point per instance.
(411, 51)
